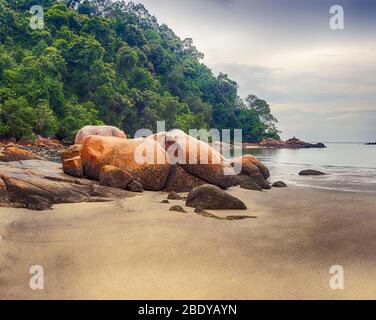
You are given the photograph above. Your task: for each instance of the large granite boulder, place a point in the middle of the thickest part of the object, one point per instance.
(16, 154)
(212, 197)
(144, 159)
(197, 158)
(104, 131)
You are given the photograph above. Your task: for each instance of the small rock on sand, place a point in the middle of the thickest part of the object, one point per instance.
(177, 209)
(279, 184)
(174, 196)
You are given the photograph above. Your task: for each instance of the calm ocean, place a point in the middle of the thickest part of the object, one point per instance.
(349, 166)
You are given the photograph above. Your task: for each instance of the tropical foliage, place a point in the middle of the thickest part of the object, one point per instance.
(99, 61)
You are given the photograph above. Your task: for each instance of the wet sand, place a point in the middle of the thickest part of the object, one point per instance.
(137, 249)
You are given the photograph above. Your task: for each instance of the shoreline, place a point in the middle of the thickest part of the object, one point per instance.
(136, 249)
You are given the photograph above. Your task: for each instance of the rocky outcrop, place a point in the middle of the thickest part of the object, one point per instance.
(35, 183)
(144, 159)
(180, 180)
(114, 177)
(73, 167)
(104, 131)
(310, 172)
(213, 197)
(16, 154)
(292, 143)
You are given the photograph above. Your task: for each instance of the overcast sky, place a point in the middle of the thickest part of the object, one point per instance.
(320, 83)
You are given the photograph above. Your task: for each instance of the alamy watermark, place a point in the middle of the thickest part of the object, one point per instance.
(337, 20)
(37, 19)
(337, 280)
(37, 280)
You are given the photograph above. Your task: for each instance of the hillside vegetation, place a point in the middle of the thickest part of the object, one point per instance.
(99, 62)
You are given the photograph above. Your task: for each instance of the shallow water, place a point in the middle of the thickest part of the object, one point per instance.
(349, 166)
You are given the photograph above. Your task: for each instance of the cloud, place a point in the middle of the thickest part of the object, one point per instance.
(285, 52)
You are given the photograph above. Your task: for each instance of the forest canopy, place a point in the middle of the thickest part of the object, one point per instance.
(105, 62)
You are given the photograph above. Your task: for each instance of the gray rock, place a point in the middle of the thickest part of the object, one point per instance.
(212, 197)
(246, 182)
(310, 172)
(260, 181)
(263, 170)
(180, 180)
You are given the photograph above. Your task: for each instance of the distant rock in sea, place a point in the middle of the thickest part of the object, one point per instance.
(292, 143)
(310, 172)
(371, 144)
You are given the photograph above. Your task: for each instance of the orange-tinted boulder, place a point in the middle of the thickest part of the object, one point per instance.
(104, 131)
(111, 176)
(249, 160)
(16, 154)
(71, 152)
(73, 166)
(144, 159)
(196, 157)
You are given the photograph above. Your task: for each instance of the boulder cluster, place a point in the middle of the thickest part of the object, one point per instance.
(169, 161)
(103, 165)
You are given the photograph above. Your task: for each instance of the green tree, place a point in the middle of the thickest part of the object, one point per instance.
(17, 119)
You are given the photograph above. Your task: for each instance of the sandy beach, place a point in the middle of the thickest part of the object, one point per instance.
(136, 249)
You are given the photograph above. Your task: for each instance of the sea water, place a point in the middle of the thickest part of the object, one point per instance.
(348, 166)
